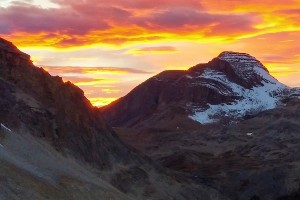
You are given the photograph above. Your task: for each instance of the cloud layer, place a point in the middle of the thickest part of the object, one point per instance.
(76, 23)
(140, 36)
(79, 22)
(101, 84)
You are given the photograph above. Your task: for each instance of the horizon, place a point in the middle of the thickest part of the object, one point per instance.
(108, 48)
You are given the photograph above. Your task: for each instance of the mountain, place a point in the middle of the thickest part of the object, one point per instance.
(227, 124)
(228, 88)
(55, 145)
(33, 99)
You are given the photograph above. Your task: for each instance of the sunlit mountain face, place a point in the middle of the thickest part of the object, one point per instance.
(109, 47)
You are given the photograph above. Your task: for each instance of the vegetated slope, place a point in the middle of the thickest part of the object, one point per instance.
(32, 101)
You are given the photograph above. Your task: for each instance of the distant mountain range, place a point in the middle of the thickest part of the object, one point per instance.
(222, 130)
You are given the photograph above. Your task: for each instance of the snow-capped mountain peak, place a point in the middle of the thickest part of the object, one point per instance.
(228, 88)
(262, 92)
(246, 67)
(233, 57)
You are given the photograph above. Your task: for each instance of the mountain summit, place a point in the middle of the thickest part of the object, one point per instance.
(228, 88)
(251, 88)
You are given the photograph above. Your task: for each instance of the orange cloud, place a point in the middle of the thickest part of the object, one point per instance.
(166, 34)
(98, 101)
(79, 23)
(65, 70)
(248, 6)
(154, 50)
(97, 22)
(95, 82)
(102, 85)
(110, 91)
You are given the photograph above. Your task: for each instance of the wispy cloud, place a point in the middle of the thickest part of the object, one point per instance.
(101, 84)
(92, 70)
(154, 50)
(142, 37)
(76, 23)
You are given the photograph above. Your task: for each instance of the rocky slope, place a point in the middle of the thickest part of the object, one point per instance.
(35, 103)
(32, 169)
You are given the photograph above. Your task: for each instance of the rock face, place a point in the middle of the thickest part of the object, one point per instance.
(36, 103)
(227, 88)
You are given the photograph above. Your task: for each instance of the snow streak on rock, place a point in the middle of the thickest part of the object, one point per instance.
(5, 128)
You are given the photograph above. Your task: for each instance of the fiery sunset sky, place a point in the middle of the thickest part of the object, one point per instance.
(108, 47)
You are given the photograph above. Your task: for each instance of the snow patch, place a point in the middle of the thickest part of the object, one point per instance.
(5, 128)
(245, 65)
(250, 101)
(155, 78)
(221, 78)
(237, 57)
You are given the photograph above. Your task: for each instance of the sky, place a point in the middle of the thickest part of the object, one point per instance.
(109, 47)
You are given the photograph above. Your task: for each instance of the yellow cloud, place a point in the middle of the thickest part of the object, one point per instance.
(99, 101)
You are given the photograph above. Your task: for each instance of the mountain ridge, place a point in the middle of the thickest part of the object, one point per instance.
(227, 79)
